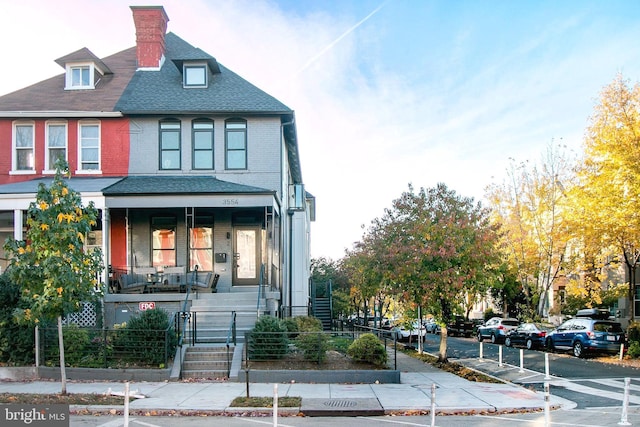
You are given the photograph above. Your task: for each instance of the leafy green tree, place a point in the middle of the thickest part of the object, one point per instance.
(441, 247)
(54, 270)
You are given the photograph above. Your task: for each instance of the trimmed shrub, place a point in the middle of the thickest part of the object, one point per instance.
(291, 326)
(268, 339)
(308, 324)
(147, 338)
(368, 348)
(76, 343)
(634, 349)
(314, 345)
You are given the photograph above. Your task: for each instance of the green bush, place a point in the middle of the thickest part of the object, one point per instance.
(634, 349)
(148, 338)
(291, 326)
(314, 345)
(76, 343)
(308, 324)
(368, 348)
(16, 340)
(268, 339)
(633, 332)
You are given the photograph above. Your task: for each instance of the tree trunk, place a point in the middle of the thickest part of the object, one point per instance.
(63, 372)
(442, 354)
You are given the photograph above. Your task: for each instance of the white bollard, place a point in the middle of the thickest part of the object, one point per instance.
(625, 404)
(500, 356)
(546, 366)
(547, 406)
(275, 405)
(621, 351)
(126, 404)
(521, 361)
(433, 405)
(481, 350)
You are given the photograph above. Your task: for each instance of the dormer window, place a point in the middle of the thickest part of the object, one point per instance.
(81, 76)
(195, 75)
(83, 70)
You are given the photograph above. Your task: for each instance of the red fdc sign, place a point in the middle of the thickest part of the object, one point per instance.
(142, 306)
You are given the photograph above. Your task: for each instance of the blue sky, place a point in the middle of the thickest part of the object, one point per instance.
(386, 93)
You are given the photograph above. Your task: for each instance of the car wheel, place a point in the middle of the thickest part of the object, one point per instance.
(493, 338)
(507, 342)
(578, 349)
(479, 336)
(529, 344)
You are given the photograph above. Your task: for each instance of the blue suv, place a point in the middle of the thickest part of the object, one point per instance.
(585, 335)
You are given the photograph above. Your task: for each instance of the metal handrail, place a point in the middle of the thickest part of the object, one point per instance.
(260, 285)
(231, 336)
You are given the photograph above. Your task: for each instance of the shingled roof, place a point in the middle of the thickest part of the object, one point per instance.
(226, 93)
(50, 95)
(166, 185)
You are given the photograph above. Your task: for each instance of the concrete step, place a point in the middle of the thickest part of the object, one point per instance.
(206, 374)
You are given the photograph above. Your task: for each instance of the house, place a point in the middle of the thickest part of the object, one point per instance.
(195, 172)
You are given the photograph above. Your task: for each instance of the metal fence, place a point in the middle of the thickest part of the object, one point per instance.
(310, 346)
(107, 348)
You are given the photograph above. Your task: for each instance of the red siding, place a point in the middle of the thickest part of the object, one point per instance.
(118, 239)
(114, 149)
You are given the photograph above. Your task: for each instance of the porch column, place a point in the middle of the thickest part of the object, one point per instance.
(106, 254)
(17, 224)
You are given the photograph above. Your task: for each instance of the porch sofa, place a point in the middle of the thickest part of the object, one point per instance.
(205, 282)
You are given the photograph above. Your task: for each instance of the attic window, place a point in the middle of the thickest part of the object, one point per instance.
(195, 75)
(80, 76)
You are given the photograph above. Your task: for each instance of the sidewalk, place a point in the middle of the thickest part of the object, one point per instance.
(452, 394)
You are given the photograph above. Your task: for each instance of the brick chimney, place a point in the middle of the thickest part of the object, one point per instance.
(151, 26)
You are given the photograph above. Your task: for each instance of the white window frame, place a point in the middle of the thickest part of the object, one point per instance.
(51, 168)
(69, 76)
(194, 66)
(79, 169)
(14, 149)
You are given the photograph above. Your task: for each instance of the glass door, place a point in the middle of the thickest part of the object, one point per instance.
(246, 255)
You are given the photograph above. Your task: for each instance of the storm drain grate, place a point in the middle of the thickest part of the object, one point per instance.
(340, 403)
(341, 407)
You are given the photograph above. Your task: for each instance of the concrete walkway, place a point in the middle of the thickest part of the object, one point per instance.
(452, 394)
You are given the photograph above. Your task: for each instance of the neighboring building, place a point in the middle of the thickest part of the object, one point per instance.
(190, 165)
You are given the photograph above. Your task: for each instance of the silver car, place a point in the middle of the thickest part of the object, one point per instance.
(496, 329)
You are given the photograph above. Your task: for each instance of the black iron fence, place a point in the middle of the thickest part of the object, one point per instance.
(108, 348)
(309, 346)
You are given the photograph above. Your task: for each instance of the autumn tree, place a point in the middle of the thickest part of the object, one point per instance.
(51, 265)
(606, 197)
(530, 205)
(442, 248)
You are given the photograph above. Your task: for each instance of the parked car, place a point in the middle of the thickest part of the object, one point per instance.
(584, 335)
(403, 334)
(496, 329)
(530, 335)
(431, 326)
(460, 326)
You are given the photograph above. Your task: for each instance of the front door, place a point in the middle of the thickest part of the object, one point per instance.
(246, 254)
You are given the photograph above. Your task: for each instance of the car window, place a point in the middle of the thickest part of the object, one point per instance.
(566, 325)
(607, 327)
(510, 322)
